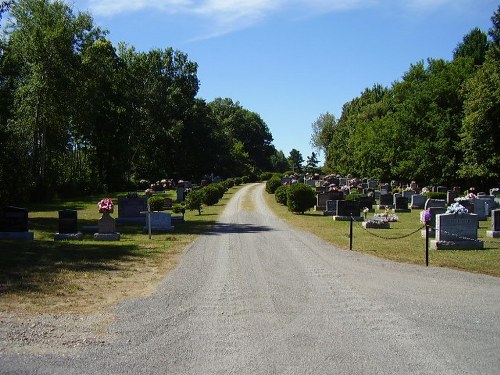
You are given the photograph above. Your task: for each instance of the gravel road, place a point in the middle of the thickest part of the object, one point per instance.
(254, 296)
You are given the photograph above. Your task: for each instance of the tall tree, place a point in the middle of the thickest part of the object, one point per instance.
(474, 45)
(322, 131)
(296, 159)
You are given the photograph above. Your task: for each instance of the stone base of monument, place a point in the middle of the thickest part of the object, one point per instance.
(348, 218)
(89, 228)
(457, 245)
(376, 225)
(107, 236)
(396, 210)
(493, 233)
(17, 236)
(141, 220)
(68, 236)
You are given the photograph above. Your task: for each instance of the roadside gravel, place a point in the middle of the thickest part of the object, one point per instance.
(254, 296)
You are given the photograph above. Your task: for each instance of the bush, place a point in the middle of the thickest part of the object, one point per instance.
(300, 198)
(156, 203)
(194, 200)
(353, 197)
(237, 181)
(245, 179)
(265, 176)
(280, 195)
(272, 184)
(221, 188)
(211, 195)
(431, 195)
(178, 208)
(229, 183)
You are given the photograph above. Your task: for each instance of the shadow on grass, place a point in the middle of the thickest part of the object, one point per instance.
(31, 265)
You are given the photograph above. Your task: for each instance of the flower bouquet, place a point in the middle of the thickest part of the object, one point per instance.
(105, 205)
(457, 208)
(425, 216)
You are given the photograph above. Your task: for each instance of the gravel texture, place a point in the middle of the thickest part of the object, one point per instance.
(254, 296)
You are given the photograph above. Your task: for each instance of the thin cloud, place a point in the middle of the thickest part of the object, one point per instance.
(221, 17)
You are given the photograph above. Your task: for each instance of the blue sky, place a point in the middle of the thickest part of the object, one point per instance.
(292, 60)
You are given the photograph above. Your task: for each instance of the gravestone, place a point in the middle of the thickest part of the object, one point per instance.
(14, 224)
(181, 193)
(408, 194)
(168, 204)
(451, 195)
(434, 211)
(480, 209)
(435, 203)
(331, 208)
(401, 204)
(160, 222)
(490, 201)
(376, 223)
(495, 224)
(68, 226)
(441, 189)
(347, 209)
(418, 201)
(342, 181)
(372, 184)
(321, 200)
(457, 232)
(106, 229)
(386, 201)
(468, 204)
(413, 186)
(365, 202)
(129, 210)
(394, 196)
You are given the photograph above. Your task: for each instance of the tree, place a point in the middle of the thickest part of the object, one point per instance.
(322, 131)
(474, 45)
(312, 163)
(44, 39)
(279, 162)
(296, 160)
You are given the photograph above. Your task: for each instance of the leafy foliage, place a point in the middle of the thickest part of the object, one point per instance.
(300, 198)
(272, 184)
(281, 195)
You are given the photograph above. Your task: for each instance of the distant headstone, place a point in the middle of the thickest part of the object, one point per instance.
(321, 200)
(68, 226)
(495, 224)
(490, 201)
(418, 201)
(160, 222)
(331, 208)
(129, 210)
(435, 203)
(401, 204)
(181, 193)
(106, 229)
(14, 224)
(480, 209)
(451, 195)
(386, 201)
(372, 184)
(457, 232)
(441, 189)
(347, 209)
(408, 194)
(365, 202)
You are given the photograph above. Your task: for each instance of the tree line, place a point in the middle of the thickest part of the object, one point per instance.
(79, 115)
(440, 124)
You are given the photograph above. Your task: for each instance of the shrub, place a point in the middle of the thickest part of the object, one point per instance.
(237, 181)
(280, 195)
(245, 179)
(300, 198)
(229, 182)
(211, 195)
(265, 176)
(156, 203)
(353, 197)
(272, 184)
(194, 200)
(221, 188)
(432, 195)
(178, 208)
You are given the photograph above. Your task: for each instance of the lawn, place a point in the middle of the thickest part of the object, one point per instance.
(51, 276)
(402, 243)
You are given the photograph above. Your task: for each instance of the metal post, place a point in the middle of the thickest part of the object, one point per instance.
(350, 234)
(427, 245)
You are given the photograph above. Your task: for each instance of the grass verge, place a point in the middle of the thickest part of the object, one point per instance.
(409, 249)
(81, 276)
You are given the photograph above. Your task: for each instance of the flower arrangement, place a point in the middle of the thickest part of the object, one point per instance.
(391, 218)
(425, 216)
(471, 196)
(105, 205)
(457, 208)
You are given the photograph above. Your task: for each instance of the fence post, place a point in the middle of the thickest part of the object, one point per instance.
(426, 245)
(350, 235)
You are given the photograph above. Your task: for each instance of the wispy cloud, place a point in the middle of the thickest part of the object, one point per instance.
(225, 16)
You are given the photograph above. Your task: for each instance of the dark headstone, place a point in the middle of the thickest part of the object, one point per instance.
(401, 204)
(386, 200)
(129, 210)
(68, 221)
(495, 224)
(13, 219)
(348, 208)
(365, 202)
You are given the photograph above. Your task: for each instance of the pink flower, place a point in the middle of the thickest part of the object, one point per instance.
(105, 205)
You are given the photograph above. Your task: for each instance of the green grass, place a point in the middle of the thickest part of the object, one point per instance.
(409, 249)
(47, 275)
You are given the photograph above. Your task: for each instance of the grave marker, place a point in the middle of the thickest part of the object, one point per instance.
(457, 232)
(14, 224)
(495, 224)
(68, 226)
